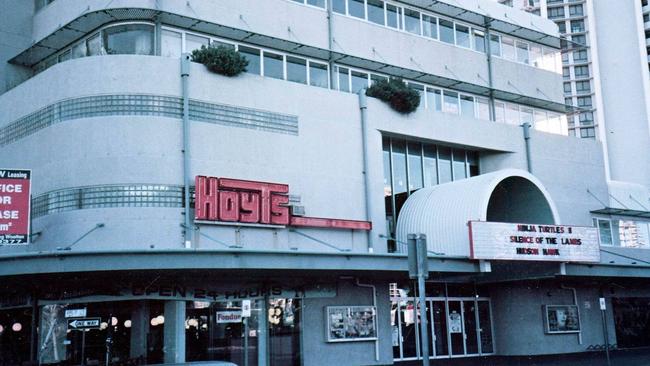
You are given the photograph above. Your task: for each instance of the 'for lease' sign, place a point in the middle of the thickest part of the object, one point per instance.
(532, 242)
(14, 206)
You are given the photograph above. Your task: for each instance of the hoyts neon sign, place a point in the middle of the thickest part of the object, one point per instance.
(249, 202)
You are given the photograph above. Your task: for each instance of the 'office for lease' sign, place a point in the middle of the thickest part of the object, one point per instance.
(14, 207)
(532, 242)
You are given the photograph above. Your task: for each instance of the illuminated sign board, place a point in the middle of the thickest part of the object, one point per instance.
(224, 200)
(530, 242)
(14, 207)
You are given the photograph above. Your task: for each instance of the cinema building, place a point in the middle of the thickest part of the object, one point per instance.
(179, 215)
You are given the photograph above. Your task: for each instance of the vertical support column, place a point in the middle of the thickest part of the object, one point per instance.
(158, 37)
(174, 332)
(139, 330)
(33, 348)
(330, 40)
(263, 333)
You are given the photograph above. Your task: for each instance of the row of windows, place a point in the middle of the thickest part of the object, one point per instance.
(576, 10)
(623, 233)
(576, 26)
(579, 72)
(581, 87)
(428, 25)
(411, 165)
(136, 38)
(134, 195)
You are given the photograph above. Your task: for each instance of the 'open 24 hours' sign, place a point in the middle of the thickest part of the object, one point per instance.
(532, 242)
(14, 207)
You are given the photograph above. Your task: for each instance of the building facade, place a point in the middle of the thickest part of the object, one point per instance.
(179, 215)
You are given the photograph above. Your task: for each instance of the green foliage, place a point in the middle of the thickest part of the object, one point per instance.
(396, 93)
(222, 60)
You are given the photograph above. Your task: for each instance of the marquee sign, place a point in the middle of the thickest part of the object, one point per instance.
(530, 242)
(14, 207)
(242, 201)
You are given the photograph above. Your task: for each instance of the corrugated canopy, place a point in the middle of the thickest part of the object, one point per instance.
(86, 23)
(622, 212)
(443, 211)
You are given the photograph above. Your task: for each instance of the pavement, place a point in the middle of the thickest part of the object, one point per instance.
(633, 357)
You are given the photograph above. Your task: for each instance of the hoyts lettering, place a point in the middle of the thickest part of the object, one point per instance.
(231, 200)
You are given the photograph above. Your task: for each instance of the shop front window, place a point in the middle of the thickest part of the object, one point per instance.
(15, 333)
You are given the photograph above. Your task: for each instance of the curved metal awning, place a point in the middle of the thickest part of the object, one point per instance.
(443, 211)
(88, 22)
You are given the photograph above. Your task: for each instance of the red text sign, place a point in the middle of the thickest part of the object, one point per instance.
(14, 206)
(249, 202)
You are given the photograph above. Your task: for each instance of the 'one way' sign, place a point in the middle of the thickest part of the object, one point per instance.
(84, 323)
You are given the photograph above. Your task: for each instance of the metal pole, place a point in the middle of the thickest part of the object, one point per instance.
(185, 74)
(33, 349)
(83, 347)
(246, 341)
(423, 273)
(363, 106)
(606, 337)
(529, 163)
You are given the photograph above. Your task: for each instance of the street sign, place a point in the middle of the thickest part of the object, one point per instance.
(245, 308)
(84, 323)
(417, 256)
(602, 304)
(75, 313)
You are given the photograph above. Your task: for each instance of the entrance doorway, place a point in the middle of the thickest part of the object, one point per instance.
(632, 321)
(458, 327)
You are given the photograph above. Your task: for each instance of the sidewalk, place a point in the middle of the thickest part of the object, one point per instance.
(635, 357)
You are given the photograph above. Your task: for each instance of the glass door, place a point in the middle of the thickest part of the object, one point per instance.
(470, 327)
(455, 326)
(485, 327)
(439, 327)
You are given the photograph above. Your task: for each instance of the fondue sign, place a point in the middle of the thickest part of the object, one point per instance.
(242, 201)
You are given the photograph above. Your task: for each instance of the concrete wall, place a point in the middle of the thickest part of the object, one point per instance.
(317, 352)
(325, 172)
(624, 90)
(15, 36)
(517, 308)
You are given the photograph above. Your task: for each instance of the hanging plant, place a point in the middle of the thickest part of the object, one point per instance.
(221, 60)
(396, 93)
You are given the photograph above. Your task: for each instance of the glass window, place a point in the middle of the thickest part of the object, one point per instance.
(536, 57)
(483, 108)
(540, 118)
(586, 118)
(129, 39)
(430, 26)
(467, 106)
(499, 112)
(575, 10)
(412, 21)
(94, 44)
(359, 81)
(357, 8)
(446, 31)
(344, 79)
(451, 102)
(508, 48)
(522, 52)
(584, 102)
(583, 86)
(376, 78)
(399, 167)
(566, 73)
(420, 89)
(444, 164)
(512, 114)
(338, 6)
(580, 39)
(495, 45)
(297, 69)
(462, 36)
(526, 116)
(479, 41)
(567, 88)
(318, 3)
(415, 166)
(394, 16)
(171, 44)
(376, 11)
(253, 57)
(222, 44)
(430, 166)
(587, 132)
(561, 26)
(472, 160)
(273, 65)
(577, 26)
(79, 50)
(318, 75)
(604, 231)
(581, 71)
(459, 164)
(580, 55)
(434, 99)
(194, 42)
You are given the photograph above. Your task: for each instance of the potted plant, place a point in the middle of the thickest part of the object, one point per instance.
(396, 93)
(221, 60)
